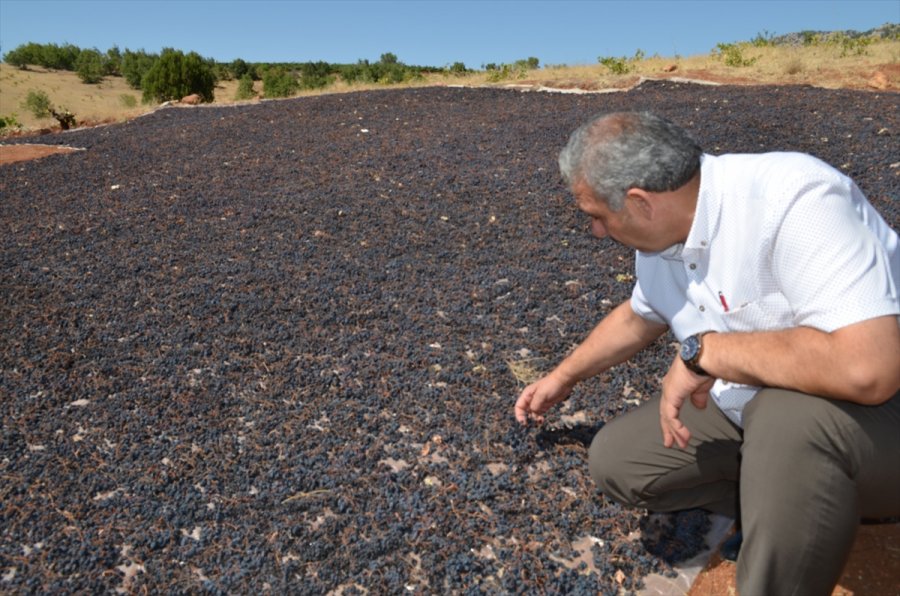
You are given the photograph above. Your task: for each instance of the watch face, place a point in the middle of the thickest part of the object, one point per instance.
(689, 347)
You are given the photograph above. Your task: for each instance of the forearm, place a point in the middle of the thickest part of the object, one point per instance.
(859, 363)
(618, 337)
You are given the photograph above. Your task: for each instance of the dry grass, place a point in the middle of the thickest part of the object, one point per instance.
(820, 65)
(526, 370)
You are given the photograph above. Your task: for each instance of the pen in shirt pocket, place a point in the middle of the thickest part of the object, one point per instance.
(722, 300)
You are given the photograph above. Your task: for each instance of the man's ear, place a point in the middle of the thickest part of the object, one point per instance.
(641, 202)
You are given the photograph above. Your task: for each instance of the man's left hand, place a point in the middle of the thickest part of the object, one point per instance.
(679, 385)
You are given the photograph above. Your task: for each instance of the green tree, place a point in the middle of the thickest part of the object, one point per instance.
(458, 68)
(315, 75)
(176, 75)
(239, 68)
(277, 82)
(90, 66)
(135, 65)
(245, 88)
(59, 57)
(25, 54)
(112, 62)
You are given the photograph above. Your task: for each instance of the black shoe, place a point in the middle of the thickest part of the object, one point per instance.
(731, 548)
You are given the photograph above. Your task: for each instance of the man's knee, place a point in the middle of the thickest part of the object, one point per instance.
(613, 474)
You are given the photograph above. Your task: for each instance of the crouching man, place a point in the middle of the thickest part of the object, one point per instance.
(780, 281)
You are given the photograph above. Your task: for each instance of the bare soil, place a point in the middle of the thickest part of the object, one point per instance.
(873, 568)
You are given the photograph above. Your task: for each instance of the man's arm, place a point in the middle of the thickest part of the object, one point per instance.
(618, 337)
(858, 363)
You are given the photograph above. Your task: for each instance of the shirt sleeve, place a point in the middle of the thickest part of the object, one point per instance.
(831, 267)
(641, 306)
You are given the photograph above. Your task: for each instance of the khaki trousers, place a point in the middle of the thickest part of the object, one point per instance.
(800, 476)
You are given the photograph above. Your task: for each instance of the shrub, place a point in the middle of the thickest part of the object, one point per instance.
(517, 70)
(39, 104)
(457, 68)
(763, 39)
(89, 66)
(112, 62)
(617, 66)
(9, 124)
(135, 65)
(857, 46)
(315, 75)
(47, 55)
(23, 55)
(623, 65)
(245, 88)
(732, 54)
(277, 82)
(239, 68)
(176, 75)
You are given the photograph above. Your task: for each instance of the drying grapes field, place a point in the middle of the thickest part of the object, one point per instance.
(274, 348)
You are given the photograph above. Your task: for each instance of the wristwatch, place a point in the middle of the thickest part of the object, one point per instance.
(691, 349)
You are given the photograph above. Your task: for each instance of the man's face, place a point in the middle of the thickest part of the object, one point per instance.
(627, 226)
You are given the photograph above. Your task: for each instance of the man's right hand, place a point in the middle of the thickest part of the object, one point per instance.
(540, 396)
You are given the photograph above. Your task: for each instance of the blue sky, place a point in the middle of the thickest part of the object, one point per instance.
(425, 33)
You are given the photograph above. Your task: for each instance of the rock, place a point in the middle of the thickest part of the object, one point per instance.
(879, 81)
(192, 99)
(670, 68)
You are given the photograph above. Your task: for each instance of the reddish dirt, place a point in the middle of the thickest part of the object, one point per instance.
(14, 153)
(873, 568)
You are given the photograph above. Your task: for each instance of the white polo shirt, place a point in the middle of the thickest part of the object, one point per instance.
(779, 240)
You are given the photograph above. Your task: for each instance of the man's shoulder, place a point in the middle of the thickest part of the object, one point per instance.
(771, 159)
(777, 172)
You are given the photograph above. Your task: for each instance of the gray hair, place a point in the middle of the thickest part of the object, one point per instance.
(616, 152)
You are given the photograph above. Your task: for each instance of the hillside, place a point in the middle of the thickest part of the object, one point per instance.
(849, 60)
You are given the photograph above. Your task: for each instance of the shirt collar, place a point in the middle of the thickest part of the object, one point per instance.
(706, 214)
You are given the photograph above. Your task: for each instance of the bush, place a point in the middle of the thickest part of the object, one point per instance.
(617, 66)
(9, 124)
(763, 39)
(128, 100)
(39, 104)
(315, 75)
(279, 83)
(23, 55)
(245, 88)
(112, 62)
(135, 65)
(176, 75)
(47, 55)
(623, 65)
(457, 68)
(857, 46)
(239, 68)
(90, 66)
(732, 54)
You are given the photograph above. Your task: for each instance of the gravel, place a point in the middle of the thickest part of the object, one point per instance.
(276, 347)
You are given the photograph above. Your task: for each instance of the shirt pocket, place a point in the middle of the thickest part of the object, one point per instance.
(749, 316)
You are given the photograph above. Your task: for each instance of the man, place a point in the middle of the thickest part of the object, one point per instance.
(780, 281)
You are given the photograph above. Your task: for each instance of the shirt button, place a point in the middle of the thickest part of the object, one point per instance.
(702, 308)
(693, 266)
(703, 243)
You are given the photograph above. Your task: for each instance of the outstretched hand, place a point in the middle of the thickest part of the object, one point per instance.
(679, 385)
(536, 399)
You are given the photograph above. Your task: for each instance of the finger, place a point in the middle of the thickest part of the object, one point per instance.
(700, 399)
(523, 406)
